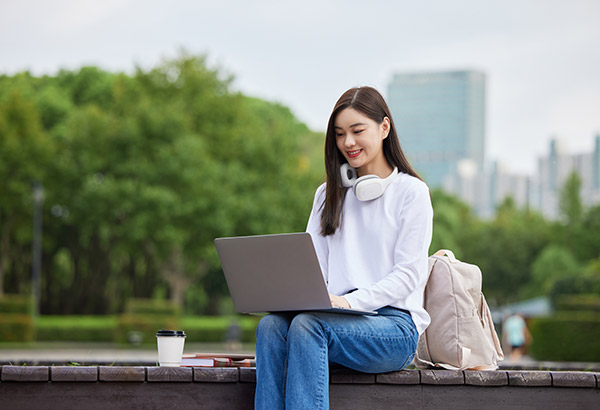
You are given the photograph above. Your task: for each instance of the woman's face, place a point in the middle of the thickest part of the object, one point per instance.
(360, 140)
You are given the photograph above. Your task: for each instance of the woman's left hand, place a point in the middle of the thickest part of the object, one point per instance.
(338, 301)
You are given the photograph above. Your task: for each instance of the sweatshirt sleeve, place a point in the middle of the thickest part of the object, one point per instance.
(410, 269)
(314, 229)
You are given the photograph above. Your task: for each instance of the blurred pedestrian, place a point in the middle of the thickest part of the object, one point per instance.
(233, 336)
(516, 335)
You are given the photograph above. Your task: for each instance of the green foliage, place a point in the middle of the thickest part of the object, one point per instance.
(582, 285)
(214, 329)
(142, 328)
(16, 327)
(24, 156)
(578, 302)
(569, 336)
(505, 249)
(453, 222)
(151, 307)
(571, 208)
(554, 263)
(16, 321)
(144, 317)
(586, 245)
(141, 173)
(16, 304)
(76, 328)
(209, 329)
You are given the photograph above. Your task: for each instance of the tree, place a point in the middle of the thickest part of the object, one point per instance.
(453, 222)
(147, 170)
(24, 153)
(587, 244)
(505, 249)
(570, 206)
(553, 264)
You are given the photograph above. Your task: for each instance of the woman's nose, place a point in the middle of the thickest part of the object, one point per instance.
(349, 140)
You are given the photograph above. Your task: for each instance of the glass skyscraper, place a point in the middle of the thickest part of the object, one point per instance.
(440, 120)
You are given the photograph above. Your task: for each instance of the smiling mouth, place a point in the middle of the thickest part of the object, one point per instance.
(354, 154)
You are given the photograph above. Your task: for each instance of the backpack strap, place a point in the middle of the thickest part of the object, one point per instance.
(448, 253)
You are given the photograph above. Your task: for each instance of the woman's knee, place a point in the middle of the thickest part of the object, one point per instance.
(272, 323)
(306, 323)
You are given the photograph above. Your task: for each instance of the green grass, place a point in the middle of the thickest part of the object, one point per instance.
(112, 321)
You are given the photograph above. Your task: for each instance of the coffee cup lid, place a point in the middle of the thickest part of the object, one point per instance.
(165, 332)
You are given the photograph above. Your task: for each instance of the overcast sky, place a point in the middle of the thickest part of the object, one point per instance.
(541, 57)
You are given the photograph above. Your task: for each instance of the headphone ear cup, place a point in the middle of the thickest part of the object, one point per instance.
(348, 174)
(368, 187)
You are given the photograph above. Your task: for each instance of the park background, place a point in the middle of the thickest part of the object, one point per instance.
(135, 170)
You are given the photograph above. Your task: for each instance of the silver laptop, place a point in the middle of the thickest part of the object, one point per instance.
(275, 273)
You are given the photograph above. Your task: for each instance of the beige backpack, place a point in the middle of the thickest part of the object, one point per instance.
(461, 334)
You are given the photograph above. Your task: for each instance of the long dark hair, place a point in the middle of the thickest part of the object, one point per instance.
(369, 102)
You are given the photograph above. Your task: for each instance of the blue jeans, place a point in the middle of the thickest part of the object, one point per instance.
(293, 352)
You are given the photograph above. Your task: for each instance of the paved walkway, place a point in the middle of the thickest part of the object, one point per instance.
(99, 354)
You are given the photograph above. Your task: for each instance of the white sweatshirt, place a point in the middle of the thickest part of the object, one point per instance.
(381, 248)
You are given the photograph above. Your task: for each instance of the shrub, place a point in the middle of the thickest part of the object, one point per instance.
(16, 322)
(567, 336)
(214, 329)
(16, 327)
(16, 304)
(137, 328)
(143, 318)
(581, 302)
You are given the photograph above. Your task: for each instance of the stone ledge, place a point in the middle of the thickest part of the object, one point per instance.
(248, 374)
(25, 374)
(74, 374)
(347, 376)
(169, 374)
(445, 377)
(122, 374)
(574, 379)
(339, 376)
(401, 377)
(530, 378)
(216, 374)
(486, 378)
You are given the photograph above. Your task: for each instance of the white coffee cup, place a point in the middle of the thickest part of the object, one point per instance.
(170, 347)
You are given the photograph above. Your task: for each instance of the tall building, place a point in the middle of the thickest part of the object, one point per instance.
(440, 119)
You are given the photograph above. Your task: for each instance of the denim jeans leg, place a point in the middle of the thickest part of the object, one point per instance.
(271, 359)
(307, 384)
(305, 344)
(372, 344)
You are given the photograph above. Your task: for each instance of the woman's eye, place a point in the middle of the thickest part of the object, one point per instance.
(358, 131)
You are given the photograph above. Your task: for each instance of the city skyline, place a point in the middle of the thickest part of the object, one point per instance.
(540, 191)
(540, 57)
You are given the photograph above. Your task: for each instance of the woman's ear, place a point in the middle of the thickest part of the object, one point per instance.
(385, 127)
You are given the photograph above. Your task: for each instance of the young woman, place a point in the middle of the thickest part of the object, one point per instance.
(372, 241)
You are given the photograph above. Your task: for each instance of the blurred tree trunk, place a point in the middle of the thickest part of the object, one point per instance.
(4, 252)
(174, 274)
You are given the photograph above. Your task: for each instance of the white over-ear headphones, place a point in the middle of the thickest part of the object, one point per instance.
(367, 187)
